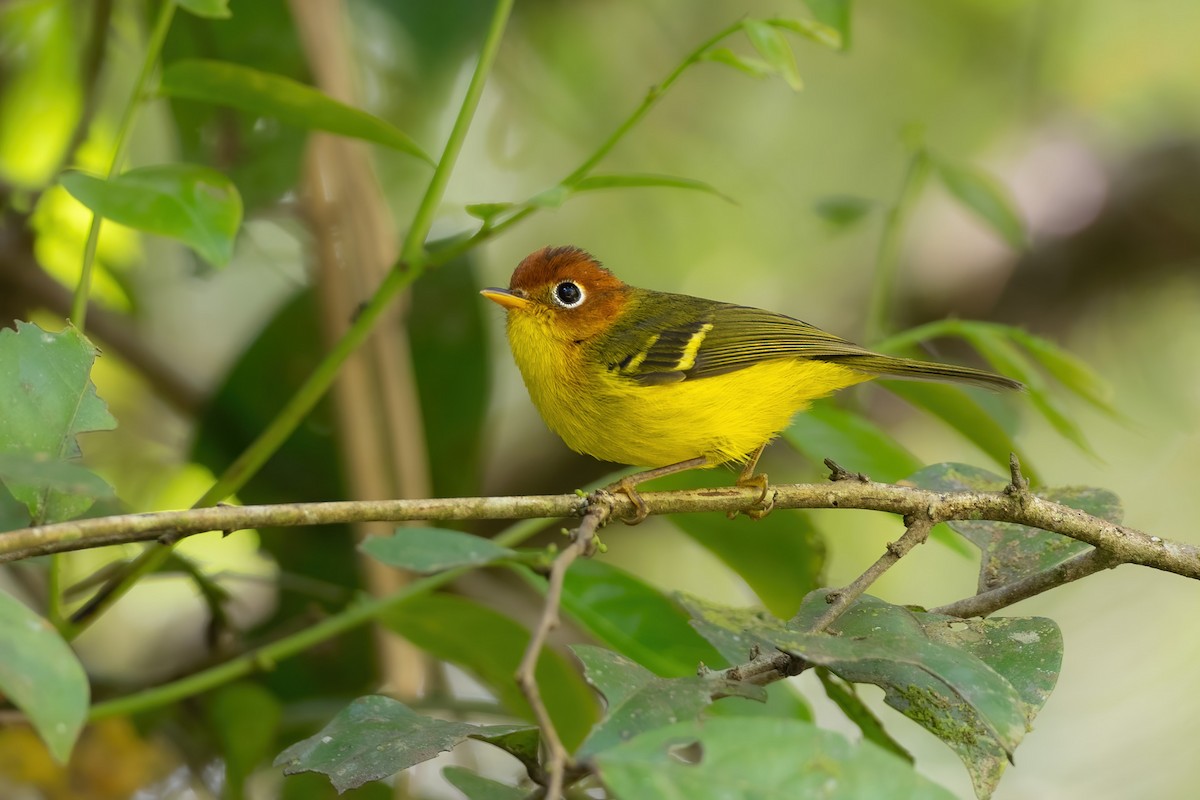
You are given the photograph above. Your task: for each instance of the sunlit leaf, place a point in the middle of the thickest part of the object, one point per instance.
(983, 195)
(48, 400)
(375, 737)
(750, 759)
(773, 46)
(267, 94)
(196, 205)
(41, 676)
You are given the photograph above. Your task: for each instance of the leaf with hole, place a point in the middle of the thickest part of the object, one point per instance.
(743, 759)
(375, 737)
(638, 700)
(1010, 551)
(267, 94)
(48, 400)
(40, 675)
(195, 205)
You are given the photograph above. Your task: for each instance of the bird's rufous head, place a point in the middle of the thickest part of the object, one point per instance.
(566, 287)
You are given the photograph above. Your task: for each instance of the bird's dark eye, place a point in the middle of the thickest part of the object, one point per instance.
(568, 294)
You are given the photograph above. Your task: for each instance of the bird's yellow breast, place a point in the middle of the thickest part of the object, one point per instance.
(610, 416)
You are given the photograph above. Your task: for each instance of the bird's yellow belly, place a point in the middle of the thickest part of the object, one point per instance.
(723, 417)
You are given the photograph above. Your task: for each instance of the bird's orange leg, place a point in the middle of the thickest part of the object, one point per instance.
(628, 485)
(748, 478)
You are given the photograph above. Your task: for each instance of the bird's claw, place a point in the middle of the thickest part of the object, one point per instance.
(640, 509)
(766, 497)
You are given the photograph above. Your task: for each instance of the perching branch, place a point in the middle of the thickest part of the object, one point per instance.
(1122, 544)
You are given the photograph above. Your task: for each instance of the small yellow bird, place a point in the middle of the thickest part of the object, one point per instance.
(670, 381)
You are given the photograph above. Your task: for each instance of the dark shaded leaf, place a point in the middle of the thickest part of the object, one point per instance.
(48, 400)
(781, 556)
(1012, 552)
(640, 701)
(195, 205)
(477, 787)
(743, 759)
(843, 211)
(983, 195)
(290, 101)
(375, 737)
(773, 46)
(826, 431)
(429, 550)
(245, 719)
(490, 645)
(40, 675)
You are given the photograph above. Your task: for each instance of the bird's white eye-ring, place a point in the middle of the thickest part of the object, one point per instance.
(568, 294)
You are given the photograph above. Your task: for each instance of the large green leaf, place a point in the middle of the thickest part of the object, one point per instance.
(430, 550)
(633, 618)
(490, 645)
(1012, 552)
(41, 676)
(196, 205)
(375, 737)
(264, 93)
(781, 556)
(743, 759)
(48, 399)
(638, 700)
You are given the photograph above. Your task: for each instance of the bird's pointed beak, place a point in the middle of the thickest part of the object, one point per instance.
(505, 298)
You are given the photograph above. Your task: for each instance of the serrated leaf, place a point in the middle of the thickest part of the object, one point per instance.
(430, 550)
(773, 46)
(375, 737)
(195, 205)
(210, 9)
(983, 195)
(41, 676)
(48, 400)
(264, 93)
(955, 407)
(751, 66)
(640, 701)
(750, 759)
(836, 15)
(781, 556)
(631, 180)
(477, 787)
(843, 211)
(489, 645)
(1011, 552)
(633, 618)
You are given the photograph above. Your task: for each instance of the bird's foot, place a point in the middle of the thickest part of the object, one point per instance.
(766, 497)
(628, 488)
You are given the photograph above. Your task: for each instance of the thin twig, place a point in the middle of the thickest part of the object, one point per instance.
(583, 543)
(839, 601)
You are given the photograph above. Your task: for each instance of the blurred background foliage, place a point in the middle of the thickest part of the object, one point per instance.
(1088, 112)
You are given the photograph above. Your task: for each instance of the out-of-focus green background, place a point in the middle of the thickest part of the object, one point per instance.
(1088, 111)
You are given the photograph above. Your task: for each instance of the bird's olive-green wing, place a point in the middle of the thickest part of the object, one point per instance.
(669, 338)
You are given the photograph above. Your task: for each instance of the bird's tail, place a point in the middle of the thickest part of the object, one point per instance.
(912, 369)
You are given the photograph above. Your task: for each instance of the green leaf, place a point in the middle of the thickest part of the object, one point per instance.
(843, 211)
(773, 46)
(41, 676)
(633, 618)
(13, 513)
(781, 556)
(264, 93)
(486, 212)
(818, 32)
(749, 759)
(375, 737)
(1012, 552)
(826, 431)
(751, 66)
(640, 701)
(430, 550)
(983, 195)
(448, 335)
(244, 718)
(210, 9)
(196, 205)
(489, 645)
(48, 400)
(835, 14)
(594, 182)
(477, 787)
(958, 409)
(846, 698)
(1071, 372)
